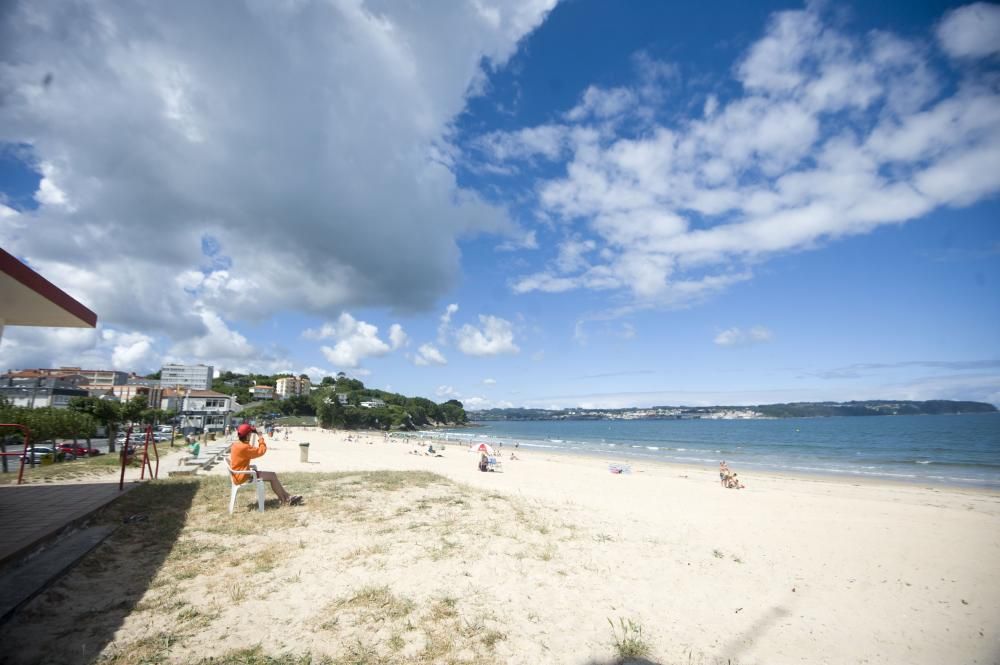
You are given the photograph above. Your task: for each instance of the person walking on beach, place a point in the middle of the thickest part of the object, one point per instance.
(239, 459)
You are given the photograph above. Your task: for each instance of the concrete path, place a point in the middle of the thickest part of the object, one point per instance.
(33, 514)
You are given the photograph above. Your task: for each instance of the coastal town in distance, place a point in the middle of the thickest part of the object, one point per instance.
(792, 410)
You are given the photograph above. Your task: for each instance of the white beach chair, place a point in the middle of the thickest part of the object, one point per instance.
(257, 482)
(495, 464)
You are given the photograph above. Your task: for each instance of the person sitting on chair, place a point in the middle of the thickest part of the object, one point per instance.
(239, 459)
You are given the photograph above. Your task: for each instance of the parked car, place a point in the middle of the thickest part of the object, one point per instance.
(79, 450)
(39, 452)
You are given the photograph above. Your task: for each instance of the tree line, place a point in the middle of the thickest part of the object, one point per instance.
(84, 415)
(399, 412)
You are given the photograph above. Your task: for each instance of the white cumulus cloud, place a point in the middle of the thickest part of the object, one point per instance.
(397, 336)
(355, 341)
(428, 354)
(972, 31)
(444, 325)
(495, 336)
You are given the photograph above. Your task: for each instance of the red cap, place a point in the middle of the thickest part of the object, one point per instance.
(243, 431)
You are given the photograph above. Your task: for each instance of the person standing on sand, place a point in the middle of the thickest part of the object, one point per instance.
(239, 459)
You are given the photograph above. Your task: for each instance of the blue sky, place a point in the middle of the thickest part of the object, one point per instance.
(582, 204)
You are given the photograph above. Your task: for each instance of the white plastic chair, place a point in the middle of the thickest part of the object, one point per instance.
(257, 482)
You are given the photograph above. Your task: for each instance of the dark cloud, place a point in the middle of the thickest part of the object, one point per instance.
(304, 139)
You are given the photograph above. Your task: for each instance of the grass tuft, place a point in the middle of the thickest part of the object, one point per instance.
(627, 639)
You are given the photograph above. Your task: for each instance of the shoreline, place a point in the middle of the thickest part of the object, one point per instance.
(846, 478)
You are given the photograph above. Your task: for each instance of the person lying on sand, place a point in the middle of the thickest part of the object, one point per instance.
(734, 483)
(242, 452)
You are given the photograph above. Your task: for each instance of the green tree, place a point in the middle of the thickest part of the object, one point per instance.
(108, 412)
(133, 409)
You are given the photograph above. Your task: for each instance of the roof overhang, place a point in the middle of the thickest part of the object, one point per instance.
(28, 299)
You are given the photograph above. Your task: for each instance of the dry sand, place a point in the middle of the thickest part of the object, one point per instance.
(787, 570)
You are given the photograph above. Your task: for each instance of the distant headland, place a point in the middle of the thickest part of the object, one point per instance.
(789, 410)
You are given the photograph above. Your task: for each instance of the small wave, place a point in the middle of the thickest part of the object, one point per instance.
(682, 450)
(555, 441)
(652, 447)
(924, 461)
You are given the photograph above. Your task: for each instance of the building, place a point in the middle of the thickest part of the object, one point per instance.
(41, 391)
(289, 386)
(149, 388)
(195, 377)
(94, 377)
(261, 393)
(373, 403)
(198, 410)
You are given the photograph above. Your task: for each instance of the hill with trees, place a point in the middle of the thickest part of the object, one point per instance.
(337, 402)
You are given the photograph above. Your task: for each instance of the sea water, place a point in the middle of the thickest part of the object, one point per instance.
(953, 450)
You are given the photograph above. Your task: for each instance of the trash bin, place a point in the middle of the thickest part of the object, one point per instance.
(303, 452)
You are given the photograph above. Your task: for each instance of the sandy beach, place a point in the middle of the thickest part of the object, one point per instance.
(787, 570)
(548, 562)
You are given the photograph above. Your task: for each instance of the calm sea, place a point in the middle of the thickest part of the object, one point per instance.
(954, 450)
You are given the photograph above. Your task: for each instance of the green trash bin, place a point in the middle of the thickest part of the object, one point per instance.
(303, 452)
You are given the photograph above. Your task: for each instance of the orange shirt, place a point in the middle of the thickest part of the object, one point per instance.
(240, 455)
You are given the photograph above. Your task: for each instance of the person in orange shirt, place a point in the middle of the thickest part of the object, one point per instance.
(242, 452)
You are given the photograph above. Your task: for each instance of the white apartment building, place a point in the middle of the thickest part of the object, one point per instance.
(289, 386)
(198, 410)
(196, 377)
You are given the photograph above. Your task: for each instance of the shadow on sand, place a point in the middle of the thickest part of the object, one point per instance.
(76, 618)
(745, 640)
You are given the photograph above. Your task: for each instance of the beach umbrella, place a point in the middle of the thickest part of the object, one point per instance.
(482, 448)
